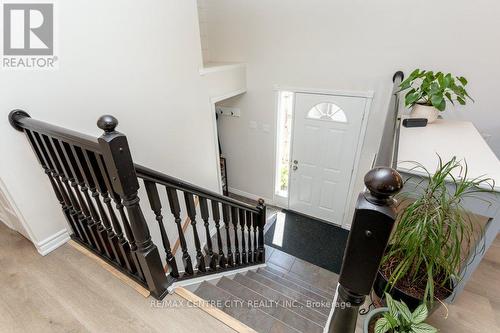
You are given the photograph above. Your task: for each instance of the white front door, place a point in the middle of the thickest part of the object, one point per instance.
(326, 132)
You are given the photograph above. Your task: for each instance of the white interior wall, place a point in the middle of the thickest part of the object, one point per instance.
(346, 45)
(137, 62)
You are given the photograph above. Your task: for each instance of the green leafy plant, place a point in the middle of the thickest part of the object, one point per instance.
(434, 235)
(434, 89)
(399, 319)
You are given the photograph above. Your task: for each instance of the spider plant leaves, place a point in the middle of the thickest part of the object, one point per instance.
(434, 236)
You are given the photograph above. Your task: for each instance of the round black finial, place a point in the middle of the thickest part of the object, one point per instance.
(260, 202)
(107, 123)
(383, 182)
(15, 115)
(398, 73)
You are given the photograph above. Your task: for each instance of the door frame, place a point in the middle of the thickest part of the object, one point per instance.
(212, 102)
(368, 96)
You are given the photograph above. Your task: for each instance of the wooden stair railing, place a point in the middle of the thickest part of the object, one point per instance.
(97, 183)
(240, 220)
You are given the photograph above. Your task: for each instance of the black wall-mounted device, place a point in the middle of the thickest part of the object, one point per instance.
(415, 122)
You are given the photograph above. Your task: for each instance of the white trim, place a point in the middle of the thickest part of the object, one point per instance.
(332, 310)
(219, 67)
(202, 278)
(250, 195)
(216, 145)
(278, 200)
(230, 94)
(51, 243)
(317, 91)
(350, 202)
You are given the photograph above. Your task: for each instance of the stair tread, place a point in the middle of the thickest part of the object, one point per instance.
(303, 290)
(290, 303)
(287, 291)
(270, 307)
(325, 292)
(240, 310)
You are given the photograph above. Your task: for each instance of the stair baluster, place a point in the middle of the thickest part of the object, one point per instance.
(255, 224)
(95, 186)
(74, 193)
(234, 220)
(243, 245)
(154, 201)
(54, 180)
(173, 201)
(212, 257)
(77, 217)
(227, 221)
(216, 217)
(115, 228)
(249, 234)
(191, 211)
(78, 181)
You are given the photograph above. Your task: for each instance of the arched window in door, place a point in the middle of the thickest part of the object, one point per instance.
(327, 111)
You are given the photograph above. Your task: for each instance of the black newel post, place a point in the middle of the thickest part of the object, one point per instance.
(370, 230)
(118, 160)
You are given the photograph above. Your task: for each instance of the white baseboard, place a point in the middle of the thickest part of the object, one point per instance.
(51, 243)
(250, 195)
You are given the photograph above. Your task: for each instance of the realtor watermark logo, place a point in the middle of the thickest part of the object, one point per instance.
(28, 36)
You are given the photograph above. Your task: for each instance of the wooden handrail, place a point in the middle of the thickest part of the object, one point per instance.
(21, 120)
(387, 152)
(169, 181)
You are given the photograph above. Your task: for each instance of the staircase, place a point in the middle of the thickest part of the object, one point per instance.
(97, 185)
(272, 299)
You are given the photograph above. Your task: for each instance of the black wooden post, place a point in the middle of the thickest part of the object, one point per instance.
(121, 170)
(261, 251)
(370, 230)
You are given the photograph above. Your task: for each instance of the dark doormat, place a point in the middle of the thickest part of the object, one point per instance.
(314, 241)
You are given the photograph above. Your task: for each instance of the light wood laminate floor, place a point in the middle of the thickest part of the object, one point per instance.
(67, 291)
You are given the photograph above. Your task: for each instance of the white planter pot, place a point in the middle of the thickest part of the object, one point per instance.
(424, 111)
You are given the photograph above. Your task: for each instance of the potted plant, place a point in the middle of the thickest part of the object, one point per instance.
(428, 92)
(397, 318)
(433, 237)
